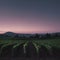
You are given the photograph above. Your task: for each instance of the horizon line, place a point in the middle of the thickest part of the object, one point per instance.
(2, 32)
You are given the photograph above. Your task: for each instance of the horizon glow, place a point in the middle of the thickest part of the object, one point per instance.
(29, 17)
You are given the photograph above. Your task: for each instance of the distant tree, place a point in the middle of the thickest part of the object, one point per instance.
(24, 36)
(16, 36)
(56, 35)
(37, 36)
(1, 35)
(48, 35)
(31, 37)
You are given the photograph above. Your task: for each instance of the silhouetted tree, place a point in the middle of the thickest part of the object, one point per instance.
(16, 36)
(48, 35)
(37, 36)
(1, 35)
(56, 35)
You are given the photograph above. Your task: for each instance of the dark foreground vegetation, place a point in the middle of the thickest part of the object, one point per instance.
(32, 48)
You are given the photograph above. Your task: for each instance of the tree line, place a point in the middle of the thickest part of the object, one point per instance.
(38, 36)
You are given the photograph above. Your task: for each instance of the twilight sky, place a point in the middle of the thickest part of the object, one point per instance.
(30, 16)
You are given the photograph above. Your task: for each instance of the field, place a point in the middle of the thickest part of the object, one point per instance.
(38, 48)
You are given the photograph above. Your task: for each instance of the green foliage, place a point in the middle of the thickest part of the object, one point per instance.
(24, 46)
(37, 44)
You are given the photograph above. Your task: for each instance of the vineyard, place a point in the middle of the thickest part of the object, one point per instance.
(30, 48)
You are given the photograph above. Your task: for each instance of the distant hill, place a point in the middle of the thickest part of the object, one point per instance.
(10, 33)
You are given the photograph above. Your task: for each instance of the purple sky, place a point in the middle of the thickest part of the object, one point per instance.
(29, 16)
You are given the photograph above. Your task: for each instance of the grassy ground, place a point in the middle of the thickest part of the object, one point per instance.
(15, 42)
(50, 42)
